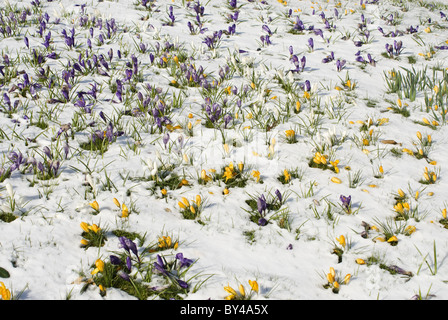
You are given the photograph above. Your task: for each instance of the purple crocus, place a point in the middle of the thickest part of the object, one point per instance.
(166, 138)
(184, 262)
(128, 245)
(129, 263)
(227, 119)
(65, 92)
(124, 275)
(340, 64)
(346, 203)
(266, 29)
(279, 195)
(115, 260)
(160, 266)
(182, 284)
(311, 43)
(328, 58)
(261, 204)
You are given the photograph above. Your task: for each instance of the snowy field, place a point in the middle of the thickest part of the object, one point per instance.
(264, 150)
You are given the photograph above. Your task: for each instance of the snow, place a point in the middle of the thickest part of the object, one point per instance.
(41, 248)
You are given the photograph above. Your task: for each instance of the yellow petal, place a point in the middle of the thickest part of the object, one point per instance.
(241, 289)
(392, 239)
(100, 265)
(341, 240)
(85, 226)
(360, 261)
(336, 180)
(198, 200)
(95, 205)
(230, 290)
(254, 285)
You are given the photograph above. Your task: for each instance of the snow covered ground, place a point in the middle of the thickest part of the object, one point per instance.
(149, 102)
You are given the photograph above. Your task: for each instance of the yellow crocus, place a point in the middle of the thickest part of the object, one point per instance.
(230, 290)
(392, 239)
(4, 292)
(290, 133)
(444, 213)
(347, 278)
(256, 175)
(99, 264)
(419, 135)
(360, 261)
(85, 226)
(228, 174)
(116, 202)
(254, 285)
(94, 228)
(336, 180)
(241, 290)
(124, 211)
(185, 202)
(341, 240)
(198, 200)
(95, 205)
(287, 175)
(410, 230)
(330, 277)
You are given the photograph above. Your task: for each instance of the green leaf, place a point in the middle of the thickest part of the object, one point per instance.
(3, 273)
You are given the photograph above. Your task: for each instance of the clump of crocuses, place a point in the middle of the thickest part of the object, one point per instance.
(260, 207)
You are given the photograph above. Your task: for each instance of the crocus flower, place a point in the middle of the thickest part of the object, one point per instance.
(123, 275)
(261, 204)
(340, 64)
(160, 266)
(129, 263)
(184, 262)
(266, 29)
(311, 43)
(346, 203)
(182, 284)
(114, 260)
